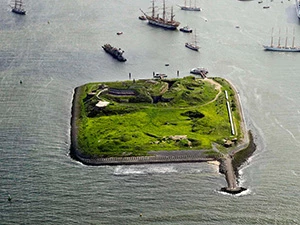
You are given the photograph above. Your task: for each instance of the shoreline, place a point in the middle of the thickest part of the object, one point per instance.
(237, 155)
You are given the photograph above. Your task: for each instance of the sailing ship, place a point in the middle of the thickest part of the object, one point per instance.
(190, 7)
(280, 48)
(18, 7)
(163, 21)
(298, 8)
(193, 45)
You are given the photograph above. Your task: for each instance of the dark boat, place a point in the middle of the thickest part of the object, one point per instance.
(186, 29)
(199, 71)
(18, 8)
(117, 53)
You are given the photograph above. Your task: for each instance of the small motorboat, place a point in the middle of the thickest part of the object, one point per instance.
(160, 76)
(119, 33)
(199, 71)
(186, 29)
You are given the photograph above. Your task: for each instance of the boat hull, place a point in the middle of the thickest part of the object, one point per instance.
(162, 24)
(114, 53)
(186, 30)
(281, 49)
(19, 11)
(199, 71)
(192, 47)
(190, 8)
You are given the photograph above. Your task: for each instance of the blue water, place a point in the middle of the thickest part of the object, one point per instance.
(57, 47)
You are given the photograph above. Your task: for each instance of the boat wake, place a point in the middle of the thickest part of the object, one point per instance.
(143, 170)
(288, 131)
(243, 193)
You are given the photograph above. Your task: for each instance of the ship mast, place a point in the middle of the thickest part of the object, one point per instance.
(164, 10)
(279, 39)
(272, 37)
(293, 38)
(153, 11)
(286, 38)
(172, 14)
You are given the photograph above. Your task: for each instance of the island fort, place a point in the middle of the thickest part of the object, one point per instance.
(157, 121)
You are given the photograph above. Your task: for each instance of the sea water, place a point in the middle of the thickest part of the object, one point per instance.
(57, 47)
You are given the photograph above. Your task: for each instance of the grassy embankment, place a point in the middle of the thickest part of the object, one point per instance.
(134, 125)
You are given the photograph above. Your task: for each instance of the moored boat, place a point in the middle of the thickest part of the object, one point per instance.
(117, 53)
(160, 76)
(199, 71)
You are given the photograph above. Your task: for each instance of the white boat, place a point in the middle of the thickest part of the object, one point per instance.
(18, 7)
(190, 7)
(298, 8)
(199, 71)
(193, 45)
(280, 48)
(160, 76)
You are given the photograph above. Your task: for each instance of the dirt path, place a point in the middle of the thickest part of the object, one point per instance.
(217, 87)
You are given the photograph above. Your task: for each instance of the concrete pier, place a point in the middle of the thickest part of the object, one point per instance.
(227, 169)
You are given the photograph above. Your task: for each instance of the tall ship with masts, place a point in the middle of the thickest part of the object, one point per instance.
(164, 22)
(280, 48)
(18, 7)
(298, 8)
(190, 7)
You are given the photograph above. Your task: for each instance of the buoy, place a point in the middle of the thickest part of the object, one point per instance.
(141, 214)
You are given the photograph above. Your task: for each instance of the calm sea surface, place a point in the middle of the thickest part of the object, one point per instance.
(57, 47)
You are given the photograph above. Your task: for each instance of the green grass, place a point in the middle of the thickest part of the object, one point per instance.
(133, 126)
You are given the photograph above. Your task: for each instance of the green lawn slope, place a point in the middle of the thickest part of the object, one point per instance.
(154, 115)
